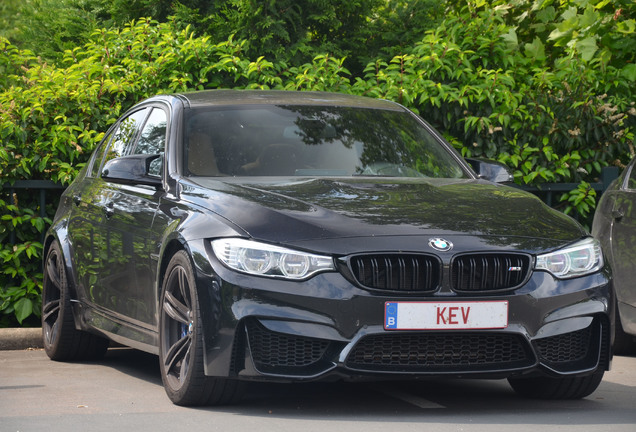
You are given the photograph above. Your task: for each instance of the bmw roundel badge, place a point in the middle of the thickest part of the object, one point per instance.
(440, 244)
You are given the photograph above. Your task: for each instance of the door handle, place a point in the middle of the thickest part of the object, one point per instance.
(109, 209)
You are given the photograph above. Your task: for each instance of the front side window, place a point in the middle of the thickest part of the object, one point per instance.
(312, 141)
(125, 134)
(153, 138)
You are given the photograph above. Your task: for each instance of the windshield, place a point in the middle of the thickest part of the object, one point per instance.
(312, 141)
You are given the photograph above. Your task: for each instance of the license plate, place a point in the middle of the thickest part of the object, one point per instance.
(445, 315)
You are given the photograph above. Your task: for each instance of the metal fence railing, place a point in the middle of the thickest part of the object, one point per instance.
(547, 191)
(40, 188)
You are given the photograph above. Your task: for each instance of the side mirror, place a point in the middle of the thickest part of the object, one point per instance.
(490, 170)
(133, 169)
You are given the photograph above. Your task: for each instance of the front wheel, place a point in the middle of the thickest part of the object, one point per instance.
(557, 388)
(181, 343)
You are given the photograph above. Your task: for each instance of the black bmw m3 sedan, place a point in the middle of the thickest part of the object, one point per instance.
(296, 236)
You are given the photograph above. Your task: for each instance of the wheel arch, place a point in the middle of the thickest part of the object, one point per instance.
(60, 235)
(208, 287)
(170, 248)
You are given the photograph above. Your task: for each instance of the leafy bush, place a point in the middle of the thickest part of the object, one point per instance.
(553, 111)
(22, 298)
(496, 96)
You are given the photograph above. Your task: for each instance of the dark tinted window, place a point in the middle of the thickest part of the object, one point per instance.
(99, 155)
(127, 130)
(152, 139)
(313, 141)
(631, 180)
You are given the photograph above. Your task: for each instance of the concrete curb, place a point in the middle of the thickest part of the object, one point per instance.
(20, 338)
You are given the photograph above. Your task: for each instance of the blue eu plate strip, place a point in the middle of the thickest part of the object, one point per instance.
(390, 315)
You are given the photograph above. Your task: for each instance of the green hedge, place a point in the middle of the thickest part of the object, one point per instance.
(490, 94)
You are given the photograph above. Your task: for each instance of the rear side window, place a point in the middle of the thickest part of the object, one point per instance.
(99, 155)
(631, 180)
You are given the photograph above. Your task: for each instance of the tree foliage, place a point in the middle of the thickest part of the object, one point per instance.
(49, 27)
(544, 86)
(9, 14)
(287, 30)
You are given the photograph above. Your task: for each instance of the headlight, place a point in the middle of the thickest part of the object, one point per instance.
(262, 259)
(581, 258)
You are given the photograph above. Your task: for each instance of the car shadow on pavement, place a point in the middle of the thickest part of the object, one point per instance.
(443, 400)
(135, 363)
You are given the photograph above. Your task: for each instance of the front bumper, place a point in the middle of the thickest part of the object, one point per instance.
(327, 328)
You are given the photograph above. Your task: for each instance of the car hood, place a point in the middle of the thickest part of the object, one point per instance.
(293, 211)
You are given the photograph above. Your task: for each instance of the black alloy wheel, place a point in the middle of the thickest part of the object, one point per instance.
(181, 343)
(62, 341)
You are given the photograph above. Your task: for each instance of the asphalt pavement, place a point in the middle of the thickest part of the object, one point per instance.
(123, 392)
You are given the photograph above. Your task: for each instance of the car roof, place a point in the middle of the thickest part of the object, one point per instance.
(283, 97)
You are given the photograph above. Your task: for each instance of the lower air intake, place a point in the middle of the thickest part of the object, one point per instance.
(440, 352)
(279, 352)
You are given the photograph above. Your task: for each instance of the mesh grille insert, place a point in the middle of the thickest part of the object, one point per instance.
(440, 352)
(272, 350)
(565, 348)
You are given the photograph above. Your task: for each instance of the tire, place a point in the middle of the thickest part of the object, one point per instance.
(557, 388)
(61, 340)
(181, 343)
